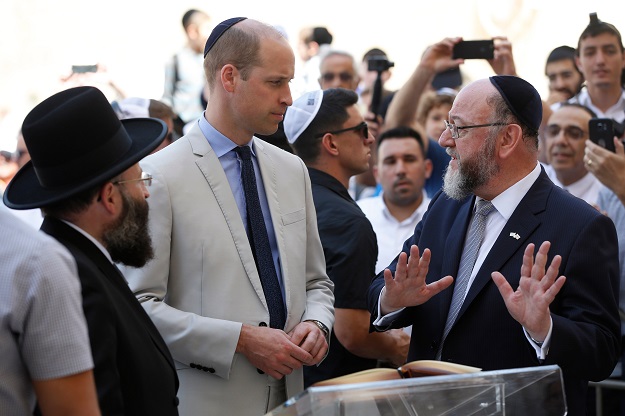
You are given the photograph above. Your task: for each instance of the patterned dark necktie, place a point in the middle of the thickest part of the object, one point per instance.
(259, 240)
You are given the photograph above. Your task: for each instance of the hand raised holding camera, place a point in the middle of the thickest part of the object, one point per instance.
(503, 60)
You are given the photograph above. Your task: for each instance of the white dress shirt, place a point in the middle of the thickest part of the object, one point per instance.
(390, 232)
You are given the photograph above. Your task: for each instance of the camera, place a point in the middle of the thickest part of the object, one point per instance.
(379, 64)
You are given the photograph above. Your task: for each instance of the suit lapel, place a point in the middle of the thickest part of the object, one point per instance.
(211, 168)
(522, 223)
(76, 242)
(451, 260)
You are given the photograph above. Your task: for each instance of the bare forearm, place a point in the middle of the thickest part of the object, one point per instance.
(402, 110)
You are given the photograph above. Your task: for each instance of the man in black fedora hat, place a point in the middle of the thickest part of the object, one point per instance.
(84, 175)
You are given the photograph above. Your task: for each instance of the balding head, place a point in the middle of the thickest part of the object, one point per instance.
(239, 45)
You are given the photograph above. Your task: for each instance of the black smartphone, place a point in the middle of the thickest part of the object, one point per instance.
(601, 132)
(474, 49)
(81, 69)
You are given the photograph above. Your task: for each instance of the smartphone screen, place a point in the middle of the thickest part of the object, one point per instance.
(81, 69)
(474, 49)
(601, 132)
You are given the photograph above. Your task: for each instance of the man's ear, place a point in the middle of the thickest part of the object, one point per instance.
(229, 77)
(511, 137)
(328, 144)
(109, 198)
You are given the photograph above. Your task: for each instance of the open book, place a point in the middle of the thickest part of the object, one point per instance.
(420, 368)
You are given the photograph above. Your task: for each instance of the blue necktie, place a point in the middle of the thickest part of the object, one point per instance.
(259, 240)
(475, 235)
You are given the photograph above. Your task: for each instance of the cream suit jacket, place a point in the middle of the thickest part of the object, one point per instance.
(203, 284)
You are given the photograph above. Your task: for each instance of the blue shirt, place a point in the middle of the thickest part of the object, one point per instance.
(440, 159)
(231, 164)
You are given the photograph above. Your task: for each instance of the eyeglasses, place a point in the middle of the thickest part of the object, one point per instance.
(344, 76)
(362, 127)
(572, 132)
(145, 177)
(453, 128)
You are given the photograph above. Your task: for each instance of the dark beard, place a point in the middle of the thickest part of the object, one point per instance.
(128, 239)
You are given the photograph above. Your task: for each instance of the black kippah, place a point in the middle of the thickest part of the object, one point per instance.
(219, 30)
(522, 99)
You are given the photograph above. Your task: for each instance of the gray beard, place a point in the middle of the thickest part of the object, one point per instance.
(472, 173)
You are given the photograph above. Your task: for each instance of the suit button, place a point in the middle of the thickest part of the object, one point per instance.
(260, 371)
(192, 365)
(205, 369)
(262, 324)
(211, 370)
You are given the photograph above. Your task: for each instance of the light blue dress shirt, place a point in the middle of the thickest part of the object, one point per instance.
(230, 162)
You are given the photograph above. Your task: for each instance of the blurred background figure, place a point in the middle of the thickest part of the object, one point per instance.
(565, 79)
(368, 75)
(314, 43)
(184, 73)
(8, 168)
(21, 156)
(565, 143)
(134, 107)
(96, 75)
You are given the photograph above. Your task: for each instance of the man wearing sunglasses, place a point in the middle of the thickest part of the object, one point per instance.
(565, 140)
(338, 70)
(328, 132)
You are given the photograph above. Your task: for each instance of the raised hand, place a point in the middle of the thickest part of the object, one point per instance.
(408, 287)
(538, 287)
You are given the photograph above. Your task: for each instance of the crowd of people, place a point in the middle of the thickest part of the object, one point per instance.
(257, 230)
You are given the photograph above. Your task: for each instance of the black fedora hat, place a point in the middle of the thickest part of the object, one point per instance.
(76, 142)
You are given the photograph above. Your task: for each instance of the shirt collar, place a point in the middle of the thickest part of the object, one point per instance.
(416, 213)
(507, 201)
(90, 238)
(616, 111)
(220, 144)
(581, 186)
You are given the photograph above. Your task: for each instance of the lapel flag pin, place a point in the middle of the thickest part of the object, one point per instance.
(515, 236)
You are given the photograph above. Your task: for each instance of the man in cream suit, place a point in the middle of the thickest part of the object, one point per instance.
(203, 290)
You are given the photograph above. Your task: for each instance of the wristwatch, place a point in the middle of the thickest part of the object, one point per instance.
(323, 328)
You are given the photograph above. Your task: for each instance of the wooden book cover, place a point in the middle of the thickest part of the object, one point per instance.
(420, 368)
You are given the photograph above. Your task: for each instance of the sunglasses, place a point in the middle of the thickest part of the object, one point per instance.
(362, 127)
(344, 76)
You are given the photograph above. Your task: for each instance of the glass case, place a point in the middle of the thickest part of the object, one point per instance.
(534, 391)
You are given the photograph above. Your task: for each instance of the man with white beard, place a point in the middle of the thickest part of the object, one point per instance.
(507, 306)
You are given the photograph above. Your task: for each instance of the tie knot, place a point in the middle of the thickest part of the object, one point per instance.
(244, 152)
(484, 207)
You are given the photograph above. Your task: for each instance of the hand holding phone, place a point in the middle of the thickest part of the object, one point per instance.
(601, 132)
(474, 49)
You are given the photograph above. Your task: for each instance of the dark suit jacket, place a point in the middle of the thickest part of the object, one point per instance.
(585, 340)
(134, 371)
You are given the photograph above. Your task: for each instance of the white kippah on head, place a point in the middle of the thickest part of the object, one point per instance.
(132, 107)
(299, 115)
